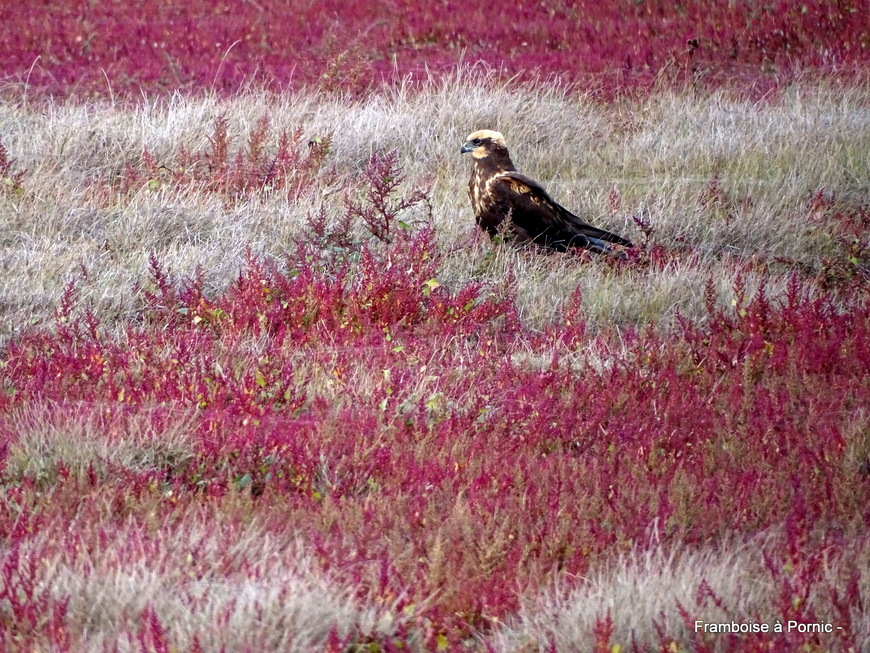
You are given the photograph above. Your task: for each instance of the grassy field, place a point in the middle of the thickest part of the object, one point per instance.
(87, 48)
(264, 386)
(728, 186)
(235, 417)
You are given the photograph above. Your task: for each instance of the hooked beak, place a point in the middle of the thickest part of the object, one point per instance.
(466, 148)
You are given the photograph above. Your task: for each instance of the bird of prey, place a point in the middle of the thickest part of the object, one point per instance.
(509, 203)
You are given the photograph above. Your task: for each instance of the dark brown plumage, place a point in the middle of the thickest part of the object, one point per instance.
(509, 202)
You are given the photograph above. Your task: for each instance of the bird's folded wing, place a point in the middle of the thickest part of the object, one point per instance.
(531, 203)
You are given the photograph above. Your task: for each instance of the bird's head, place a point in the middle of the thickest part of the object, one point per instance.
(483, 143)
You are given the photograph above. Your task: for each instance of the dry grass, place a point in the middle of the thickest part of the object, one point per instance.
(95, 438)
(212, 572)
(657, 156)
(232, 586)
(643, 591)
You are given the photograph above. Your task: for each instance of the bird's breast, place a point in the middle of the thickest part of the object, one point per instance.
(477, 191)
(480, 189)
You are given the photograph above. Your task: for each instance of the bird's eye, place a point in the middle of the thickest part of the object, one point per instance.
(476, 141)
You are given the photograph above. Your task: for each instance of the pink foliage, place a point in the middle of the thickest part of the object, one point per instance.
(113, 47)
(718, 428)
(235, 173)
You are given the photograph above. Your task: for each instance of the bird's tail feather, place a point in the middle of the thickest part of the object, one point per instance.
(603, 247)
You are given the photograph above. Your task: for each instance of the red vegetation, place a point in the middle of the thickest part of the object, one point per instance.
(119, 47)
(234, 174)
(390, 422)
(428, 447)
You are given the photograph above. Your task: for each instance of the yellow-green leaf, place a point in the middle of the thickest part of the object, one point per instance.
(430, 285)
